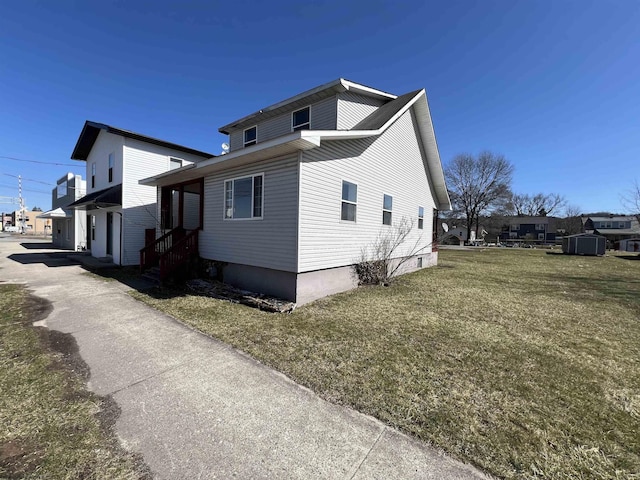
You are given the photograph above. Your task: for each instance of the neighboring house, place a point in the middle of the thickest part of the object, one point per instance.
(541, 229)
(308, 183)
(68, 226)
(613, 227)
(6, 220)
(27, 221)
(119, 210)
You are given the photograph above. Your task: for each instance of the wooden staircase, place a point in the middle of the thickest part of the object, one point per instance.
(161, 258)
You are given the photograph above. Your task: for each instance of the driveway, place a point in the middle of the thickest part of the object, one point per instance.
(195, 407)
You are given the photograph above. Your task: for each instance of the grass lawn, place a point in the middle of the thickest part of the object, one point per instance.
(524, 364)
(49, 425)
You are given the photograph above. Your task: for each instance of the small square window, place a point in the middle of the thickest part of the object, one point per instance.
(349, 201)
(250, 136)
(387, 206)
(300, 119)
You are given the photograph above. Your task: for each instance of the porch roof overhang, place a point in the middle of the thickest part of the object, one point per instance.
(285, 145)
(108, 197)
(56, 213)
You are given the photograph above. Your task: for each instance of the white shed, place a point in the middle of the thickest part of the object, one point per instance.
(630, 245)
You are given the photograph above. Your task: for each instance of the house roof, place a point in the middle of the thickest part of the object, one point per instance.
(371, 126)
(304, 99)
(108, 197)
(91, 130)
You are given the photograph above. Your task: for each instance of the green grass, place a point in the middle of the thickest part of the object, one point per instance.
(49, 422)
(524, 364)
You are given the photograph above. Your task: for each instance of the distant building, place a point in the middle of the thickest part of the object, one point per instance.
(539, 229)
(69, 226)
(27, 221)
(613, 227)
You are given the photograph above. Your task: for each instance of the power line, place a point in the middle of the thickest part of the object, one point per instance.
(24, 189)
(37, 161)
(29, 179)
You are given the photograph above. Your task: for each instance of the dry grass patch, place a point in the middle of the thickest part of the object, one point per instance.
(525, 364)
(50, 423)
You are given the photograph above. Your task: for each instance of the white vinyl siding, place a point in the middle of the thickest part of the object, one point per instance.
(323, 117)
(269, 243)
(353, 108)
(392, 162)
(142, 160)
(106, 145)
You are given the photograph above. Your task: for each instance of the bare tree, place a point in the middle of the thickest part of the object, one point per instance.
(631, 200)
(571, 221)
(477, 185)
(540, 204)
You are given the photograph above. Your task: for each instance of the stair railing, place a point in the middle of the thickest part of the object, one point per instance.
(178, 254)
(150, 254)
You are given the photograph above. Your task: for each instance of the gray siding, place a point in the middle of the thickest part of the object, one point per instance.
(390, 164)
(269, 242)
(323, 117)
(353, 108)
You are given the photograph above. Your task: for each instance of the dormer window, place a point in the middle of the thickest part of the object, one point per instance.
(250, 136)
(300, 119)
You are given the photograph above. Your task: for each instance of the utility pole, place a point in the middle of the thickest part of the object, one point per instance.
(22, 221)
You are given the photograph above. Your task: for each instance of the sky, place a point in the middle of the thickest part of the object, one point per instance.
(553, 85)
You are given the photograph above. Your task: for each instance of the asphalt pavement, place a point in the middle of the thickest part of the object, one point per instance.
(196, 408)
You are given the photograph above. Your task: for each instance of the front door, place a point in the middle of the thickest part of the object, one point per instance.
(109, 233)
(90, 230)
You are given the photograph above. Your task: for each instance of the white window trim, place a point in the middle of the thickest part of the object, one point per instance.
(385, 210)
(420, 217)
(350, 222)
(302, 124)
(224, 198)
(253, 142)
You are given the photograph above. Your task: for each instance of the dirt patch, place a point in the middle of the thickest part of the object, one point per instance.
(19, 459)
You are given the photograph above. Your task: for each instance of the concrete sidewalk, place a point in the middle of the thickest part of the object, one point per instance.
(196, 408)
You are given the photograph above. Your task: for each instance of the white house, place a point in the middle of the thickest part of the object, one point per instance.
(120, 211)
(310, 181)
(68, 225)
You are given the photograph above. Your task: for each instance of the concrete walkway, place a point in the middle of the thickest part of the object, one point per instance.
(196, 408)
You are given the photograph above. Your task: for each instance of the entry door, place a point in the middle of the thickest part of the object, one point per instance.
(109, 233)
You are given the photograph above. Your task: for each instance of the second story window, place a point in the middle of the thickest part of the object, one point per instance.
(93, 175)
(62, 189)
(300, 119)
(250, 136)
(111, 162)
(387, 206)
(540, 226)
(420, 218)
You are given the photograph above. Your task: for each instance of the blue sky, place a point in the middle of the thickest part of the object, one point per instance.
(554, 85)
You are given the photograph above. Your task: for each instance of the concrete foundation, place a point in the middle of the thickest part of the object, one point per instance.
(305, 287)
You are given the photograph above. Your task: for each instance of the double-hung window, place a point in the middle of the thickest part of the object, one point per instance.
(111, 162)
(93, 175)
(349, 201)
(250, 136)
(300, 119)
(420, 218)
(387, 206)
(244, 197)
